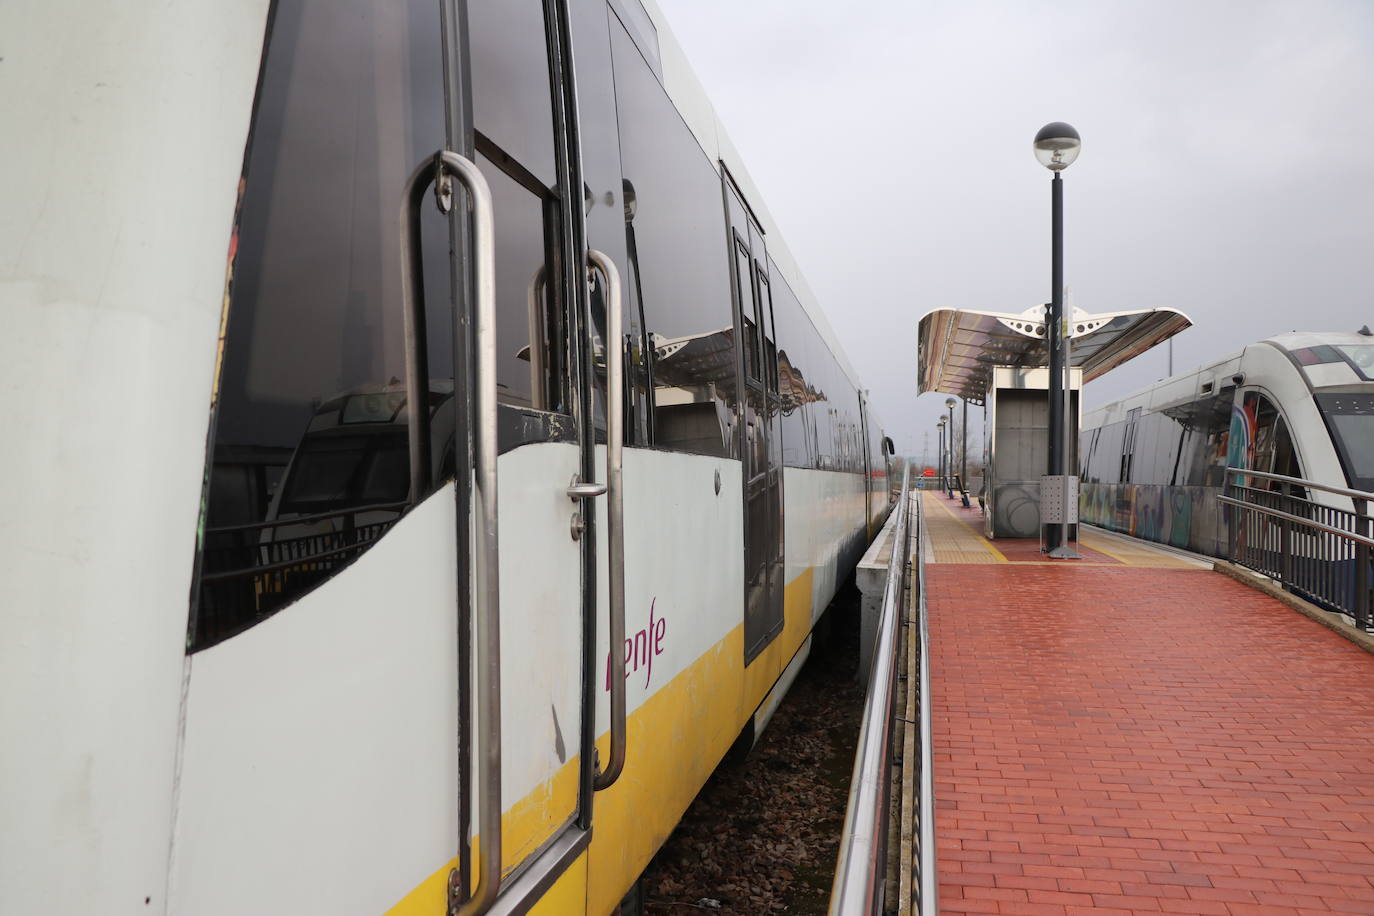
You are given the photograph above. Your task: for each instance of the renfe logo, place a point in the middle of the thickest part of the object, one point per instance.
(641, 648)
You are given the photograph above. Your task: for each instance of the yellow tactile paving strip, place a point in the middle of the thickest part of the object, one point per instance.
(951, 540)
(954, 540)
(1136, 553)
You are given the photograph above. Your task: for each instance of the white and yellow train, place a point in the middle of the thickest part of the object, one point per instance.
(276, 641)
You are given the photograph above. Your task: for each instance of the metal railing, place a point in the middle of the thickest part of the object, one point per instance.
(1317, 551)
(927, 899)
(249, 571)
(861, 875)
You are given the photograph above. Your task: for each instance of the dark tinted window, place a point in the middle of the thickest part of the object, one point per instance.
(794, 384)
(1087, 448)
(607, 206)
(511, 98)
(678, 267)
(351, 100)
(528, 367)
(769, 350)
(1209, 439)
(1107, 458)
(744, 290)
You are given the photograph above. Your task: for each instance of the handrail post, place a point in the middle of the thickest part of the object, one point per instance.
(1232, 518)
(1285, 544)
(1362, 558)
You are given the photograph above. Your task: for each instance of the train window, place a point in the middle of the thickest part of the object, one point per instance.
(511, 102)
(1208, 442)
(351, 98)
(1361, 356)
(527, 364)
(681, 270)
(770, 349)
(1087, 448)
(794, 384)
(1259, 412)
(610, 203)
(1160, 436)
(1285, 453)
(1264, 440)
(1129, 446)
(1109, 449)
(748, 310)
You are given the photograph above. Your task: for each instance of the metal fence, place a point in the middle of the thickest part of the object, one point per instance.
(1318, 551)
(862, 870)
(249, 571)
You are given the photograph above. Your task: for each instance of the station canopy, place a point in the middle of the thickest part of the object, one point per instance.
(959, 348)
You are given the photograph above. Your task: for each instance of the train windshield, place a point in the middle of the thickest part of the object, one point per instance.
(1361, 356)
(1350, 417)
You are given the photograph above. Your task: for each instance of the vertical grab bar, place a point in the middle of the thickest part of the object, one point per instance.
(486, 566)
(615, 512)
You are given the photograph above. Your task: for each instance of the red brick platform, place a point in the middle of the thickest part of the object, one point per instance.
(1118, 739)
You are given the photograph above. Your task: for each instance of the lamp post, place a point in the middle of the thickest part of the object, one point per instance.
(941, 462)
(949, 403)
(963, 444)
(1056, 147)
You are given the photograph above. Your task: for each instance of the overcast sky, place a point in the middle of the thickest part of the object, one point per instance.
(1227, 166)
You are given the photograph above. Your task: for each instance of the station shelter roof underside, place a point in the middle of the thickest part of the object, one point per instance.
(959, 348)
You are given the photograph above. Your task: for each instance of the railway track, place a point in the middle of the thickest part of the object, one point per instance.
(762, 835)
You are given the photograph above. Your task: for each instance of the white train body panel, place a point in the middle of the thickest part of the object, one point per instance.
(821, 507)
(123, 143)
(319, 742)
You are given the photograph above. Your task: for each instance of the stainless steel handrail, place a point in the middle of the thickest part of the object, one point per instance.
(486, 565)
(929, 883)
(615, 513)
(1309, 484)
(860, 869)
(486, 568)
(1298, 519)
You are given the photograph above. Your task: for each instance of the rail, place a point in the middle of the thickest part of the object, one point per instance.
(861, 870)
(1318, 551)
(928, 903)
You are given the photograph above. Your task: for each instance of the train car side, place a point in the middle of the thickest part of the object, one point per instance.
(1154, 462)
(297, 736)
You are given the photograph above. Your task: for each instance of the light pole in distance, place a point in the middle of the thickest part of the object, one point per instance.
(949, 403)
(941, 426)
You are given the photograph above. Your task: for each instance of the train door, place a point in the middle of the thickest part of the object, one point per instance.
(759, 425)
(401, 477)
(552, 484)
